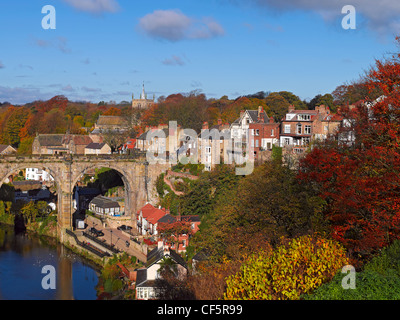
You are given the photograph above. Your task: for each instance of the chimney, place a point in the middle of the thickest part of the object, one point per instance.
(242, 112)
(291, 108)
(271, 120)
(260, 114)
(205, 125)
(219, 122)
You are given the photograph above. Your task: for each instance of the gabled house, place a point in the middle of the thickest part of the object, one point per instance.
(128, 146)
(7, 149)
(97, 148)
(263, 135)
(146, 278)
(147, 219)
(213, 144)
(240, 132)
(60, 144)
(105, 206)
(300, 127)
(38, 175)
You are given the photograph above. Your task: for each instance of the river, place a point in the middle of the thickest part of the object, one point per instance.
(22, 258)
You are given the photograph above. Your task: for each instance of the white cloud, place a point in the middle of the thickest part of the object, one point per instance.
(94, 6)
(381, 16)
(173, 25)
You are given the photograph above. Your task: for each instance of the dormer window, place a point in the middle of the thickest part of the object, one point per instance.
(304, 117)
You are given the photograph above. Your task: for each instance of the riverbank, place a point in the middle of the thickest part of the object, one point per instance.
(22, 258)
(112, 283)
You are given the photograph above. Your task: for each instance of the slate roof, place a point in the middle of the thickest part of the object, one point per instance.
(143, 136)
(95, 145)
(47, 140)
(158, 253)
(167, 219)
(104, 202)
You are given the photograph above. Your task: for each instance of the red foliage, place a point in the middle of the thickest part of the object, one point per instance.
(361, 182)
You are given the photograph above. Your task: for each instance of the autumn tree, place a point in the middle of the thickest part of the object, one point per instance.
(360, 180)
(293, 268)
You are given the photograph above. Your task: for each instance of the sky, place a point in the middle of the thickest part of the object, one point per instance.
(105, 50)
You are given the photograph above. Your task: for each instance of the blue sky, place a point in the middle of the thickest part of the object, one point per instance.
(106, 49)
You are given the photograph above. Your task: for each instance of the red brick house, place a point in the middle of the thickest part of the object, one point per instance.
(263, 134)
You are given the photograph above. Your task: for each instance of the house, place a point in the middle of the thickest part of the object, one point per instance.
(146, 278)
(111, 123)
(49, 144)
(60, 144)
(213, 144)
(105, 206)
(42, 194)
(6, 149)
(240, 132)
(38, 175)
(97, 148)
(300, 127)
(147, 219)
(83, 196)
(159, 140)
(263, 135)
(128, 147)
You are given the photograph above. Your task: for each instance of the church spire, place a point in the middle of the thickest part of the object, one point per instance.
(143, 96)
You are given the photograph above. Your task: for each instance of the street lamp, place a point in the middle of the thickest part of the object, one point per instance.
(111, 236)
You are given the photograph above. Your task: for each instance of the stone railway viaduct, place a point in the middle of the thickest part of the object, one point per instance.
(138, 176)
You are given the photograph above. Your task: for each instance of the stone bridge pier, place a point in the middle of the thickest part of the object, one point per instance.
(139, 179)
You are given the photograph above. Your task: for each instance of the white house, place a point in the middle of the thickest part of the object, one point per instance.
(146, 279)
(37, 175)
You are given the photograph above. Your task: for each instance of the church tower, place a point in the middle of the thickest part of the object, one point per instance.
(142, 102)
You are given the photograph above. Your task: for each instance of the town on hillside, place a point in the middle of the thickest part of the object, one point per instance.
(101, 225)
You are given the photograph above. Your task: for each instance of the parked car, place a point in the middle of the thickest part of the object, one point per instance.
(124, 228)
(97, 233)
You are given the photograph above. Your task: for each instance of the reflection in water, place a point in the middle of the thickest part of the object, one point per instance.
(22, 258)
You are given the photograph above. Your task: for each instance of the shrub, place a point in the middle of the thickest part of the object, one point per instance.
(370, 285)
(293, 268)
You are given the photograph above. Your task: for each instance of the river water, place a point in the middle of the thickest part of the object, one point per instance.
(22, 259)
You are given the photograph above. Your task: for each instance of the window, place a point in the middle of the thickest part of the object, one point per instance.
(257, 144)
(326, 128)
(257, 131)
(304, 117)
(286, 141)
(287, 128)
(272, 132)
(307, 129)
(305, 141)
(298, 128)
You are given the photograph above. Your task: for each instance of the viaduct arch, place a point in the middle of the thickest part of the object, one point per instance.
(138, 176)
